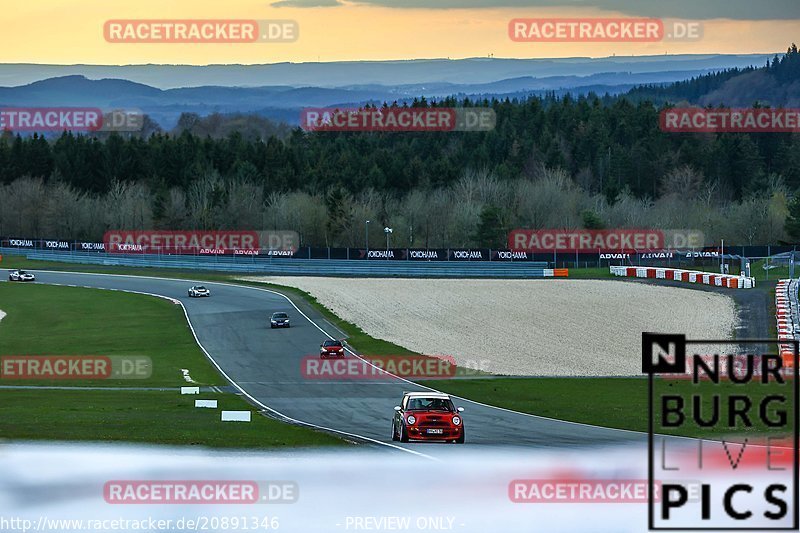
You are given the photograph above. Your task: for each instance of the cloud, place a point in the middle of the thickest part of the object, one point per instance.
(306, 3)
(685, 9)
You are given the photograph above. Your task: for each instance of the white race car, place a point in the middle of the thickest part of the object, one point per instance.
(20, 275)
(198, 291)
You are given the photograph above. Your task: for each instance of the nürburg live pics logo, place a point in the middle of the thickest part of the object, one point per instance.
(737, 401)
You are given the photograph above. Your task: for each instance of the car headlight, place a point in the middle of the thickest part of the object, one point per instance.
(411, 419)
(457, 420)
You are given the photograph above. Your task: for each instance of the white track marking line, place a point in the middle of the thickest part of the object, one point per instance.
(186, 376)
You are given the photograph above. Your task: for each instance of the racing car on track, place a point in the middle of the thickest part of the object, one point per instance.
(198, 291)
(20, 275)
(279, 320)
(331, 348)
(427, 416)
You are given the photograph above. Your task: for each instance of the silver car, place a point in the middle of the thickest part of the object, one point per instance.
(20, 275)
(199, 291)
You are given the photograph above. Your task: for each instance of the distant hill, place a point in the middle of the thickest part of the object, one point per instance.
(287, 88)
(776, 83)
(383, 73)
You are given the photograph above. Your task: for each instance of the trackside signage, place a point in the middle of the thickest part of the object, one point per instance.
(21, 243)
(743, 415)
(312, 367)
(74, 367)
(200, 492)
(612, 240)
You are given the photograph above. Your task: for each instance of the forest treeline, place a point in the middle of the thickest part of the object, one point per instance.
(550, 162)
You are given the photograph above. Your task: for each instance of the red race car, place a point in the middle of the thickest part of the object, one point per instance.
(331, 348)
(427, 416)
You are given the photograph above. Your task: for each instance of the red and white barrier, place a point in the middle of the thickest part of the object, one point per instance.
(691, 276)
(786, 317)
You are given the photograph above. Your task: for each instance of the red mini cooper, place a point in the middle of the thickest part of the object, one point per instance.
(427, 416)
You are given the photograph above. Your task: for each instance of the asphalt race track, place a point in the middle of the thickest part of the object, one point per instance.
(233, 328)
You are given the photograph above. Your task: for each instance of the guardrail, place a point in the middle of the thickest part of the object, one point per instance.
(786, 315)
(309, 267)
(692, 276)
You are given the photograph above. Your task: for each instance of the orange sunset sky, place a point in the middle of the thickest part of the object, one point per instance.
(69, 32)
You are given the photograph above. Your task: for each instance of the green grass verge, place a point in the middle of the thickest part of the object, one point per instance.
(143, 417)
(51, 320)
(610, 402)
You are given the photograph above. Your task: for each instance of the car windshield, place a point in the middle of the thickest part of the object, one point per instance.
(201, 288)
(280, 315)
(430, 404)
(331, 343)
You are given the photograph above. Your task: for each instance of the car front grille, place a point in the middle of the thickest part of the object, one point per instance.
(434, 423)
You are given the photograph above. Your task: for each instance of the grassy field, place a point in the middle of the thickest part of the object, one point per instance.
(611, 402)
(46, 320)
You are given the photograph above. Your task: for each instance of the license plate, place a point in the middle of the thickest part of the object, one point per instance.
(435, 431)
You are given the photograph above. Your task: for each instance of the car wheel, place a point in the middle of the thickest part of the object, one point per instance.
(272, 326)
(394, 432)
(460, 439)
(403, 433)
